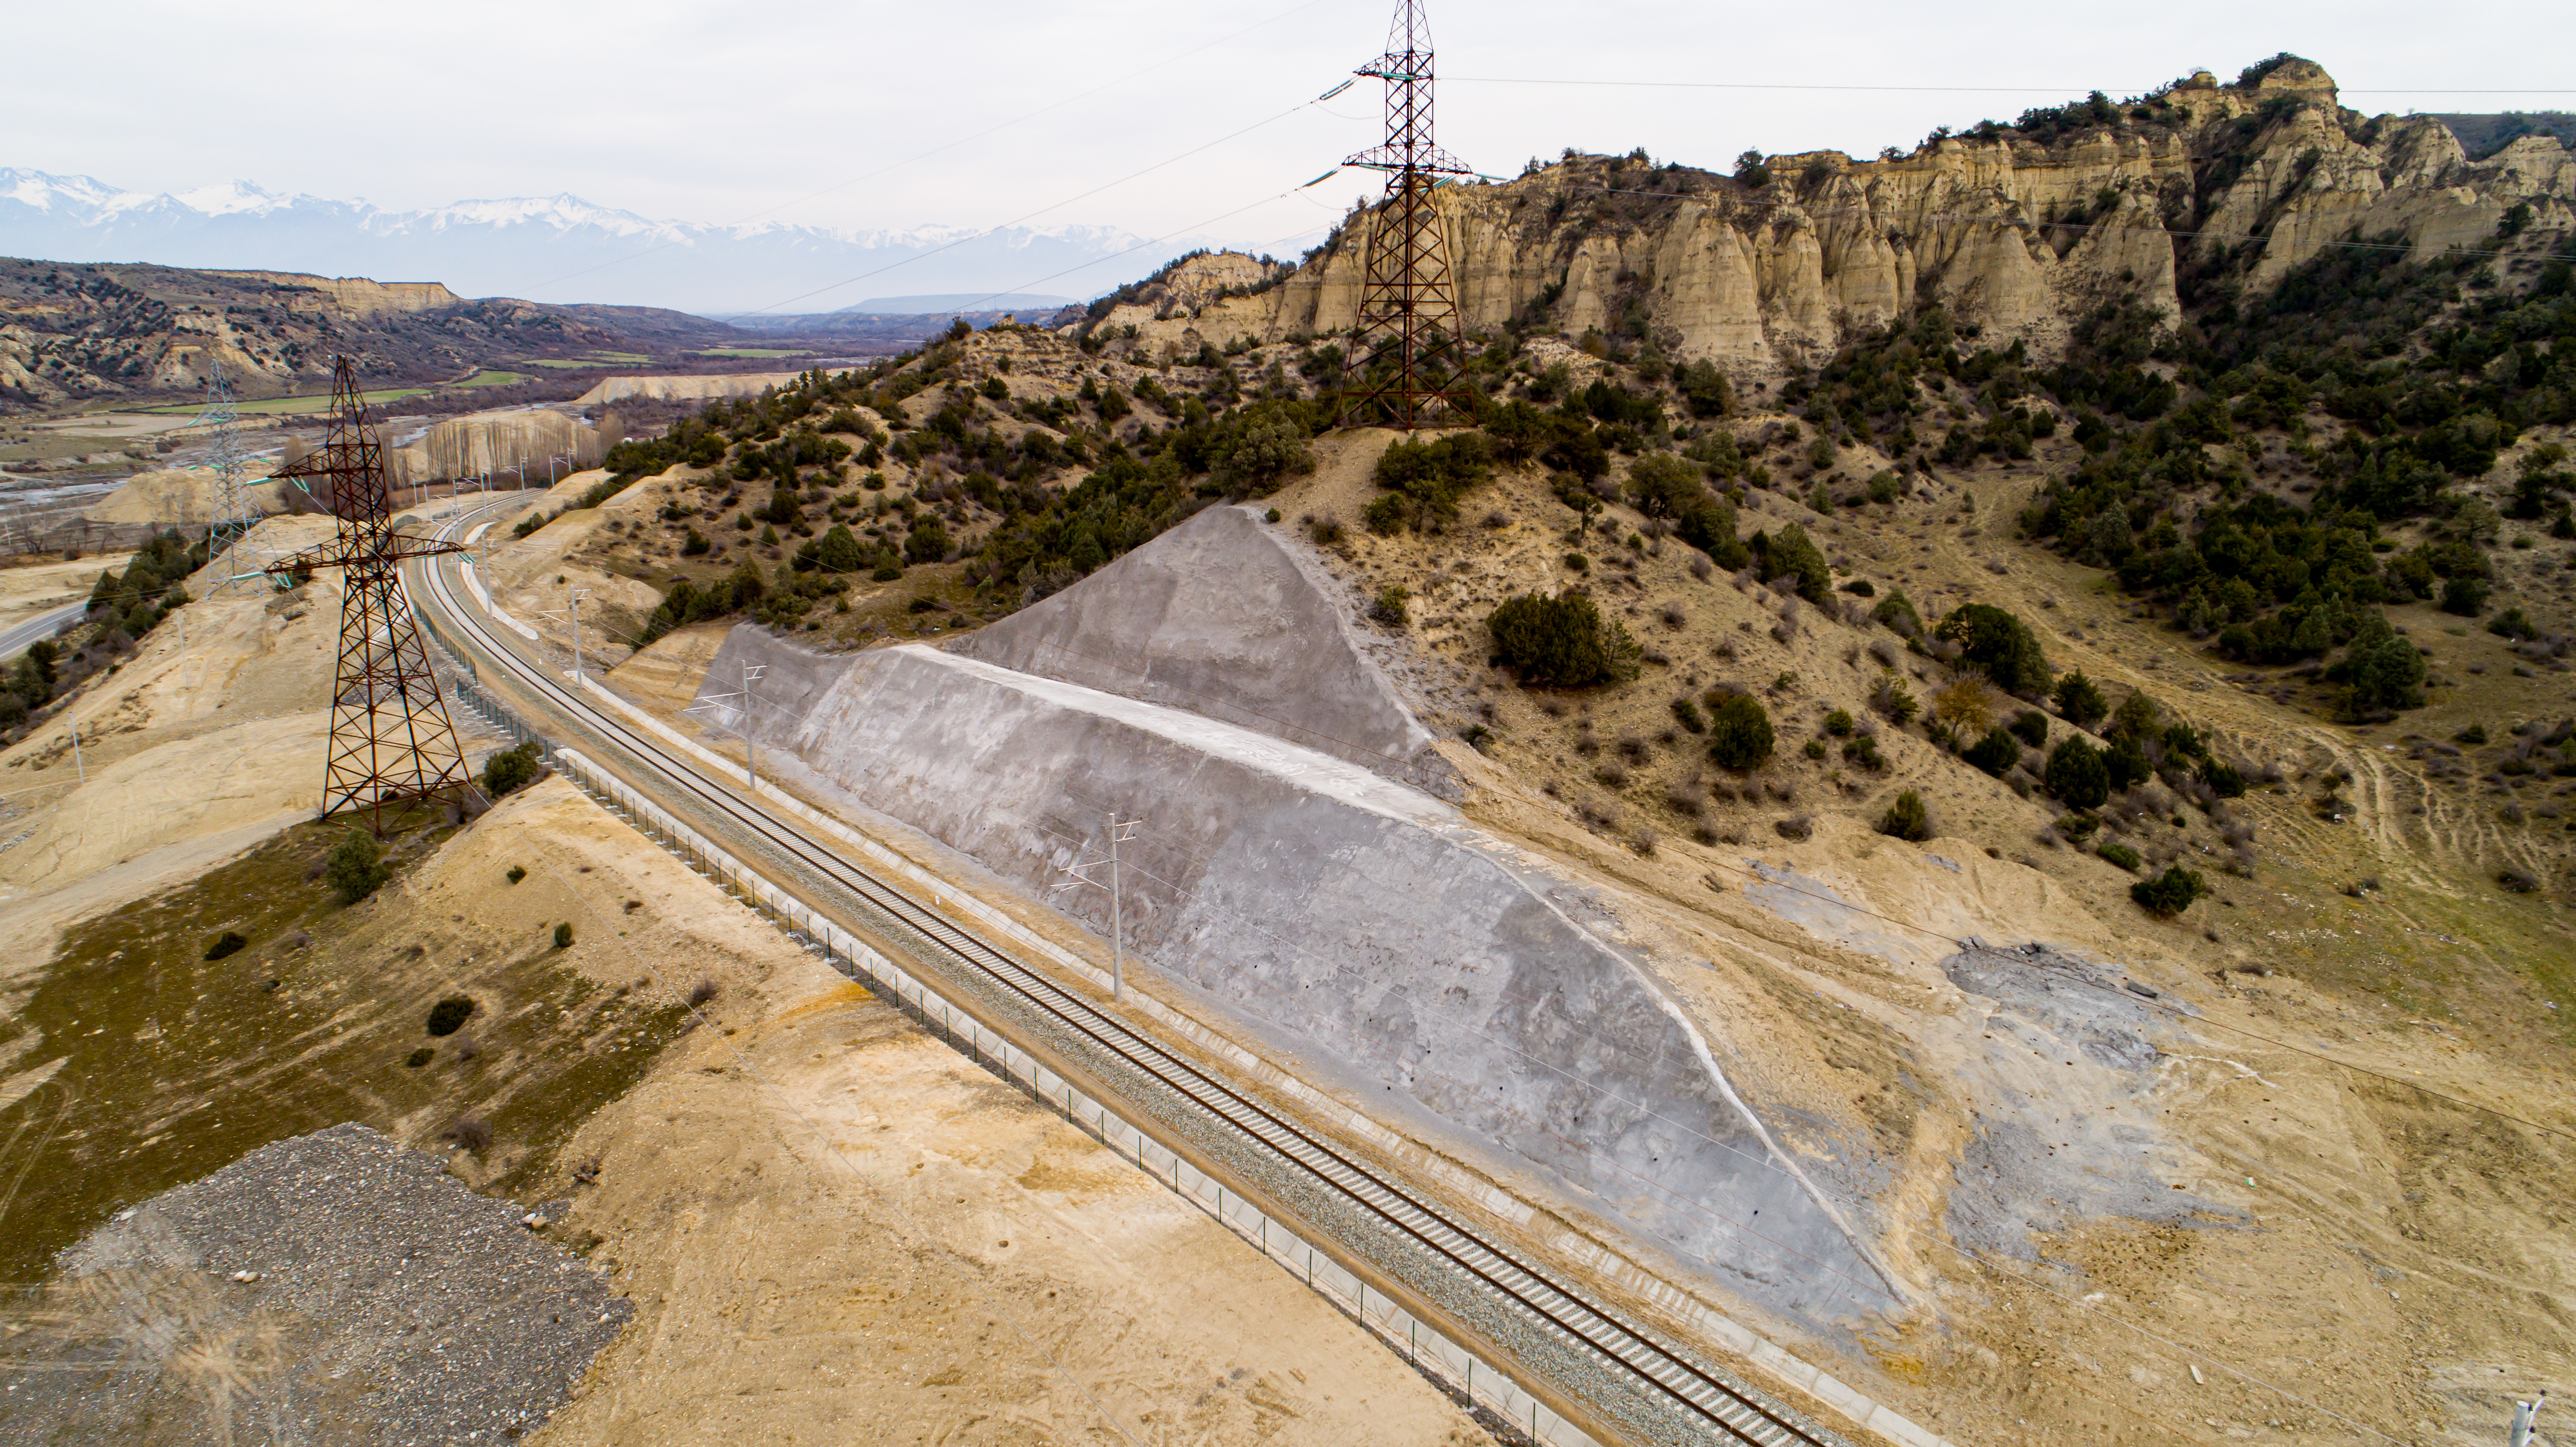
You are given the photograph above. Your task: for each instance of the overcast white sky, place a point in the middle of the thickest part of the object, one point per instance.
(721, 112)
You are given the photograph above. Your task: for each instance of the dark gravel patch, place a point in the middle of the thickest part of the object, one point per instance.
(336, 1287)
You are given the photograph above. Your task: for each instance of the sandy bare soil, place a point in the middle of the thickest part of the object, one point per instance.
(42, 587)
(827, 1223)
(831, 1225)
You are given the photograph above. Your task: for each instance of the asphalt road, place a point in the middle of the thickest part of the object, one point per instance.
(44, 625)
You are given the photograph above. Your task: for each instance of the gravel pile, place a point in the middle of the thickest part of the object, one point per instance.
(336, 1287)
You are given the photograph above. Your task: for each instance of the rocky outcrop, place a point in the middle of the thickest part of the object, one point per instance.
(2017, 238)
(507, 445)
(354, 296)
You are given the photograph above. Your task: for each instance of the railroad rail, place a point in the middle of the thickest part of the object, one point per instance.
(1690, 1394)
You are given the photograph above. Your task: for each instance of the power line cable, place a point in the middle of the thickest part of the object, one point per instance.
(1156, 241)
(1051, 206)
(952, 145)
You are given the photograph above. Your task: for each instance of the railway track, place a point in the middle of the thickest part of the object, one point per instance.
(1692, 1396)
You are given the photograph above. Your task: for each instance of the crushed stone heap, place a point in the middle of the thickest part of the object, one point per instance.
(333, 1287)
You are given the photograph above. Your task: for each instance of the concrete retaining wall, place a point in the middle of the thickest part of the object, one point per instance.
(1360, 926)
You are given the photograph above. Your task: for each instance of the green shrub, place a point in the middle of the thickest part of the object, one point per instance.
(2169, 893)
(1863, 751)
(516, 874)
(1839, 723)
(928, 541)
(1705, 389)
(356, 868)
(1709, 525)
(1562, 642)
(1896, 613)
(2119, 854)
(2225, 780)
(1686, 713)
(2081, 701)
(1662, 485)
(2512, 624)
(1906, 818)
(2381, 677)
(2125, 765)
(419, 1058)
(1792, 554)
(1385, 516)
(2466, 597)
(1996, 753)
(2473, 734)
(227, 943)
(509, 770)
(449, 1015)
(1739, 732)
(1816, 749)
(563, 936)
(1389, 608)
(2138, 719)
(1999, 643)
(1892, 698)
(2031, 727)
(696, 545)
(2076, 775)
(838, 551)
(1424, 480)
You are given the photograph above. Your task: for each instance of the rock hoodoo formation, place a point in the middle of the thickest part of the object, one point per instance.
(2018, 231)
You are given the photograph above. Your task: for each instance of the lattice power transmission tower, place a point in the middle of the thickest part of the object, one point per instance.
(234, 556)
(1404, 362)
(390, 737)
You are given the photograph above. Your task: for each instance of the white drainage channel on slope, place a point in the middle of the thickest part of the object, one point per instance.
(1424, 1345)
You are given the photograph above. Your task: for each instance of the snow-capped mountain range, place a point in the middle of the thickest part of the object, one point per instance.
(552, 248)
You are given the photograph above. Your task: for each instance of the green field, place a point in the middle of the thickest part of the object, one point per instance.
(494, 379)
(749, 352)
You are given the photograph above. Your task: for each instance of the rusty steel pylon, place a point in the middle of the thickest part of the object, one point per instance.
(390, 737)
(1408, 315)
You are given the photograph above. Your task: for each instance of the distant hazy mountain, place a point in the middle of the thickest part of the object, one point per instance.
(949, 301)
(553, 248)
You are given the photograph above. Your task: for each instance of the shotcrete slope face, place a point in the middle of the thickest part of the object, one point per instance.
(1217, 618)
(1355, 923)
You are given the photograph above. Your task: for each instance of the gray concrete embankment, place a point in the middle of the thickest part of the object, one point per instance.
(1361, 926)
(1220, 618)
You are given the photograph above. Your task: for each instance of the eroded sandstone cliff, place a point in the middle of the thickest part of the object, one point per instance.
(2018, 231)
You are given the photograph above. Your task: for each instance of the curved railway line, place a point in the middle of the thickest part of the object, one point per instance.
(1692, 1398)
